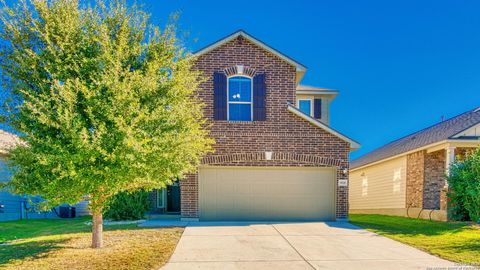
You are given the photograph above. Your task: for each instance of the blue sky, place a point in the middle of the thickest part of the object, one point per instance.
(399, 65)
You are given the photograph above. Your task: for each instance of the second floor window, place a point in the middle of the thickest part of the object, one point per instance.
(239, 92)
(305, 105)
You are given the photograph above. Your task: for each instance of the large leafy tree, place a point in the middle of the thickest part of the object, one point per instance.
(103, 101)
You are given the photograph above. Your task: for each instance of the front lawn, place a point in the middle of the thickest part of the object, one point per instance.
(454, 241)
(65, 244)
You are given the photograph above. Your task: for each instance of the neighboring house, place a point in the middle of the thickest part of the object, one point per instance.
(12, 206)
(407, 177)
(276, 156)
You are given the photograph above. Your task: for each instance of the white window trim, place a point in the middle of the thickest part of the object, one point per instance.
(162, 192)
(311, 104)
(239, 102)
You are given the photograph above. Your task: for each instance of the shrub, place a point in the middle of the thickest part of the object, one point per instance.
(128, 206)
(464, 184)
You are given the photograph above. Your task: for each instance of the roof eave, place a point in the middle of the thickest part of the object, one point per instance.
(353, 144)
(299, 76)
(317, 92)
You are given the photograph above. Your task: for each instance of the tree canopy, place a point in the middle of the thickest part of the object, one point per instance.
(103, 100)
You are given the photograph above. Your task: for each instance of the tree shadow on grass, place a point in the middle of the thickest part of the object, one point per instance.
(470, 246)
(470, 252)
(25, 250)
(20, 249)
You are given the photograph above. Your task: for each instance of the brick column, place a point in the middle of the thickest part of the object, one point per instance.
(434, 180)
(189, 196)
(444, 199)
(415, 179)
(342, 194)
(450, 158)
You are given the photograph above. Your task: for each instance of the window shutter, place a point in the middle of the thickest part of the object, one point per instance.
(219, 96)
(317, 108)
(259, 98)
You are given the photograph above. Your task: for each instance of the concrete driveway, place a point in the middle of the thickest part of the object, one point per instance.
(317, 245)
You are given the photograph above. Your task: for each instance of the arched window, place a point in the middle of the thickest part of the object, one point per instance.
(239, 92)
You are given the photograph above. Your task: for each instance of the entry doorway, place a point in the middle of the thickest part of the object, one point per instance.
(168, 199)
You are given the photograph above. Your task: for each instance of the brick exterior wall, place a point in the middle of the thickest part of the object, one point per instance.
(152, 199)
(293, 141)
(426, 178)
(415, 179)
(434, 179)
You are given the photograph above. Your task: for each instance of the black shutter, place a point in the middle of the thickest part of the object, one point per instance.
(219, 96)
(259, 98)
(317, 108)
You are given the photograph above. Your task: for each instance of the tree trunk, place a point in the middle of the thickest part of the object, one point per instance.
(97, 229)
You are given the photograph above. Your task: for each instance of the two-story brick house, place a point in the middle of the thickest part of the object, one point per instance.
(276, 157)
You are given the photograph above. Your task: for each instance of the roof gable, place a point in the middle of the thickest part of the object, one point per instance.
(471, 132)
(445, 130)
(300, 69)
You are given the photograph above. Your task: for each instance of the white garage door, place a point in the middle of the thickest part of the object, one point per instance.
(266, 193)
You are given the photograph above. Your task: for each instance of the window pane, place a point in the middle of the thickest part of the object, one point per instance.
(160, 198)
(239, 89)
(305, 106)
(240, 112)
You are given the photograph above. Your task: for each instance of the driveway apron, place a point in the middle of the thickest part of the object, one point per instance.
(311, 245)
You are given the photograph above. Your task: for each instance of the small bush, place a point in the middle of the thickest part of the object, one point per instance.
(464, 184)
(128, 206)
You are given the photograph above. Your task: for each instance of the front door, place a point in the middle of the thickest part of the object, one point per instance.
(173, 198)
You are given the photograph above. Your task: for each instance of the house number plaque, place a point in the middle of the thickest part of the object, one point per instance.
(342, 183)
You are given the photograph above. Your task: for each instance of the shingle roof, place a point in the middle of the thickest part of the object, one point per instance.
(436, 133)
(8, 141)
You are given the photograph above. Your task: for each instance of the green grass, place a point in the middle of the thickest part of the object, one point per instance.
(65, 244)
(21, 229)
(455, 241)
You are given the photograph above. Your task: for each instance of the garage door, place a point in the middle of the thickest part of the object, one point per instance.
(266, 193)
